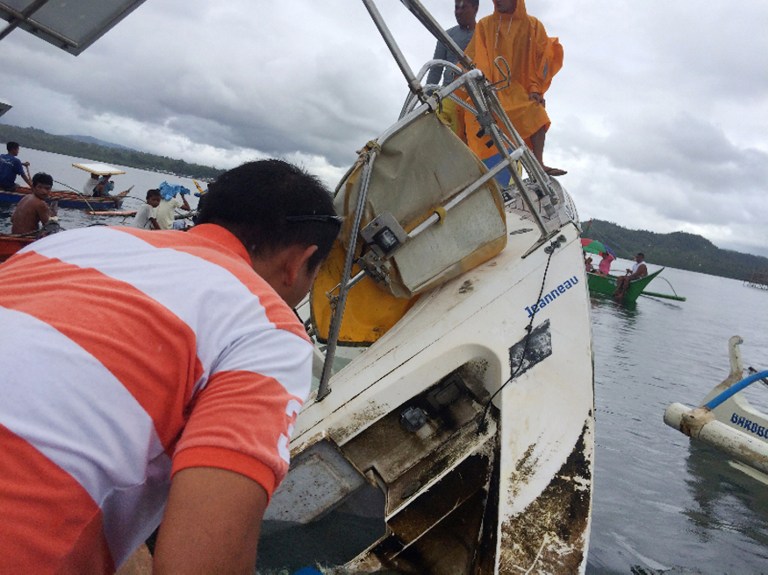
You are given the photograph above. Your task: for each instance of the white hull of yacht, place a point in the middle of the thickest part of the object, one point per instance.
(513, 496)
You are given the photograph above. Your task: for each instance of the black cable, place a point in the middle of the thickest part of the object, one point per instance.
(482, 425)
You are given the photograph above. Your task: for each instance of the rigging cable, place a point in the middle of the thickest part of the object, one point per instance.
(550, 249)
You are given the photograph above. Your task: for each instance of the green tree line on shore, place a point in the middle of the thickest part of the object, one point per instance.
(679, 250)
(40, 140)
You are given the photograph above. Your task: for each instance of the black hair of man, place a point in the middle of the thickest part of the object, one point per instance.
(475, 3)
(42, 178)
(153, 193)
(11, 146)
(271, 204)
(641, 254)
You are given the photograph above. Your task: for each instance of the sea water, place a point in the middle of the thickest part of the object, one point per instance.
(662, 504)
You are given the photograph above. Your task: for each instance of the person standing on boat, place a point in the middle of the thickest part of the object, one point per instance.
(32, 210)
(146, 215)
(466, 15)
(10, 167)
(533, 59)
(170, 402)
(465, 12)
(639, 270)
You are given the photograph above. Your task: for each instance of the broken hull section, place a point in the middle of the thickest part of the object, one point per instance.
(449, 469)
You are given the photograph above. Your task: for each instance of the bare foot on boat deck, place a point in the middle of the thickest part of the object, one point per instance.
(554, 171)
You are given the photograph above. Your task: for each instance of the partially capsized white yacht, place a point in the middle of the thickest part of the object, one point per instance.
(452, 427)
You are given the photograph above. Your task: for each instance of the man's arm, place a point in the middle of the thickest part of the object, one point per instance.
(433, 77)
(43, 213)
(211, 525)
(20, 171)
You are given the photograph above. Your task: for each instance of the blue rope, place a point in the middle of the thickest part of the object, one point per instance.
(735, 388)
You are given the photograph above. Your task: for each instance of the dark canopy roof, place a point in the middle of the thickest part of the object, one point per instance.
(72, 25)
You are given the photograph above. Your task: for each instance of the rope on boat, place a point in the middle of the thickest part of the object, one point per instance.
(736, 388)
(482, 425)
(87, 203)
(763, 380)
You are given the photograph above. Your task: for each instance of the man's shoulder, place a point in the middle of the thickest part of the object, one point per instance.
(25, 200)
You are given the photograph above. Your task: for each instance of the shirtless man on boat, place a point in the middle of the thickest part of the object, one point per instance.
(32, 208)
(639, 270)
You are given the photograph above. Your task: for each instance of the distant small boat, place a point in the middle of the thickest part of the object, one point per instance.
(11, 243)
(727, 421)
(606, 285)
(70, 200)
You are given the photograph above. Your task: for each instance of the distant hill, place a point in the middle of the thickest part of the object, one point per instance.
(678, 250)
(99, 151)
(96, 141)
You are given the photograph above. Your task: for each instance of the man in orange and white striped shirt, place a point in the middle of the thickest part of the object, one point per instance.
(152, 376)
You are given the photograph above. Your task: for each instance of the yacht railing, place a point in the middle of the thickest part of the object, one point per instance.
(538, 194)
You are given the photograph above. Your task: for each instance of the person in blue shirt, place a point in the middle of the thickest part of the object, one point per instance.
(466, 15)
(10, 167)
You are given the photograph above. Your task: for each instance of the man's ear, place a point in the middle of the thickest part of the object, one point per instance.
(295, 262)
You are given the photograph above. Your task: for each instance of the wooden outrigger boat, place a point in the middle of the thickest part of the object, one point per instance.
(452, 419)
(72, 199)
(67, 199)
(726, 419)
(606, 285)
(11, 243)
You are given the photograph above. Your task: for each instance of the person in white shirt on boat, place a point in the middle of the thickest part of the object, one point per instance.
(89, 184)
(146, 215)
(166, 211)
(639, 270)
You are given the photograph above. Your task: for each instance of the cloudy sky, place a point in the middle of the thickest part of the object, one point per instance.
(660, 113)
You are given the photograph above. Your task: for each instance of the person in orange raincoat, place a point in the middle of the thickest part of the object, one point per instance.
(533, 58)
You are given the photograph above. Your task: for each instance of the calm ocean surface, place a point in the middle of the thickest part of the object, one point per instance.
(661, 505)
